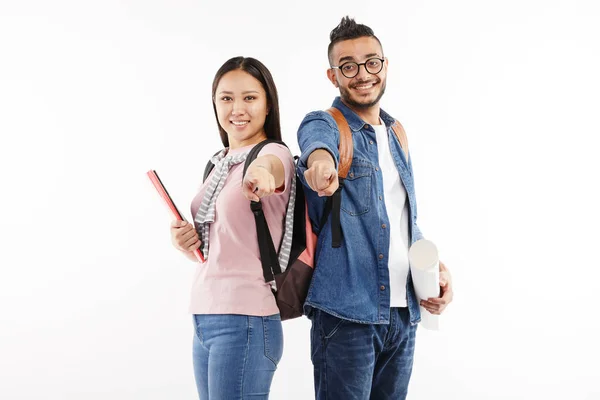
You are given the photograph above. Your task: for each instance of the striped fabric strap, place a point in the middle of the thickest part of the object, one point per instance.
(206, 213)
(286, 243)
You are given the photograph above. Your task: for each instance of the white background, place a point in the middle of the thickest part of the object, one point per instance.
(500, 100)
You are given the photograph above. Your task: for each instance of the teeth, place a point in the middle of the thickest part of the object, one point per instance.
(239, 123)
(364, 86)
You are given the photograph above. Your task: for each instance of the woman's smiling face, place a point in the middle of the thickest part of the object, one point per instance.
(241, 104)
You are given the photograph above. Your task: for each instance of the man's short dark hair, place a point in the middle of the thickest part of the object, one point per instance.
(346, 30)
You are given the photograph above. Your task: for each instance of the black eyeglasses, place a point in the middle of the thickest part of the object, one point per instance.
(350, 69)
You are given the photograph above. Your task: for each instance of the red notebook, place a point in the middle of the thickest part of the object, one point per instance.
(162, 191)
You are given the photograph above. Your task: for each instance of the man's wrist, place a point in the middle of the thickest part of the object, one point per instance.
(320, 155)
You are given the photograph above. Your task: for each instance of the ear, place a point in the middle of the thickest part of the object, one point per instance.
(331, 76)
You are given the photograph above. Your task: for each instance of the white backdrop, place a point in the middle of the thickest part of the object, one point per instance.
(500, 100)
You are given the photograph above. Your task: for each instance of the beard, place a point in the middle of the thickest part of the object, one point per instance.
(347, 96)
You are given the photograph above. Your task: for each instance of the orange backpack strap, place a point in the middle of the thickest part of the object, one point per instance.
(346, 147)
(334, 202)
(401, 136)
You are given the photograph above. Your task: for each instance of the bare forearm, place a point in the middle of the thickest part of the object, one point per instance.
(274, 166)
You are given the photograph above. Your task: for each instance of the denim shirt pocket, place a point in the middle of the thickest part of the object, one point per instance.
(356, 196)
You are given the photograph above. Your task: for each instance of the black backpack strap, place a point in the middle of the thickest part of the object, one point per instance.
(299, 232)
(256, 149)
(268, 255)
(209, 167)
(332, 207)
(335, 209)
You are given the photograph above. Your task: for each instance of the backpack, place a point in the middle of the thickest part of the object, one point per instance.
(292, 273)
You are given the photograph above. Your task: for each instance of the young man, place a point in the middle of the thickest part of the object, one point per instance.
(362, 303)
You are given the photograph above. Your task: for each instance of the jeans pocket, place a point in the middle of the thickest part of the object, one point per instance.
(328, 324)
(273, 335)
(315, 340)
(197, 330)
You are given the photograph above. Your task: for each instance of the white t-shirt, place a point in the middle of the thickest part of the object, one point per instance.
(397, 211)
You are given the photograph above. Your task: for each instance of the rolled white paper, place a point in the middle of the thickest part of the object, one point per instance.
(425, 270)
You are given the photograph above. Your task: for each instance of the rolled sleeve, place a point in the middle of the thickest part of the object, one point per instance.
(317, 131)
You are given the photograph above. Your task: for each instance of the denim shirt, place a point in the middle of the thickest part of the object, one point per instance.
(352, 281)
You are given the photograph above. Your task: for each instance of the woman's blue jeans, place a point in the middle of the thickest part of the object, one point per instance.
(235, 356)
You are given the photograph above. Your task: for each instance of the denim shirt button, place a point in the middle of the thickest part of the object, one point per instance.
(376, 168)
(370, 142)
(381, 256)
(383, 226)
(366, 126)
(382, 287)
(379, 197)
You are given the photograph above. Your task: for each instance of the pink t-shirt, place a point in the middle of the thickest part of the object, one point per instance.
(231, 280)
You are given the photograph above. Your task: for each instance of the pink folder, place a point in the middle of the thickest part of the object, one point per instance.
(162, 191)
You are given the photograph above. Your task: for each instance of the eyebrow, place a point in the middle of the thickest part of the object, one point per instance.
(350, 58)
(246, 92)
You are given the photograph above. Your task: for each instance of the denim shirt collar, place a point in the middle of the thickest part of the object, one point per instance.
(354, 121)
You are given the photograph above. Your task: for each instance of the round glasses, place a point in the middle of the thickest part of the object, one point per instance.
(350, 69)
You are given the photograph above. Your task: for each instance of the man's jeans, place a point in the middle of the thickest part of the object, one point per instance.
(235, 356)
(355, 361)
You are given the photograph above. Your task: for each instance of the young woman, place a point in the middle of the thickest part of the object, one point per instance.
(238, 339)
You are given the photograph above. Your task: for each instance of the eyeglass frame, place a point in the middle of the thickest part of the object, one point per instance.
(358, 67)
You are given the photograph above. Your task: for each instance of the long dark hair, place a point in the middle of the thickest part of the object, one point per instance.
(261, 73)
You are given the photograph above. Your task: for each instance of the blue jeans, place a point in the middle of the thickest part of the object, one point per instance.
(235, 356)
(355, 361)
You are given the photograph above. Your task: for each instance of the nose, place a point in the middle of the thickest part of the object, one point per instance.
(239, 108)
(362, 74)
